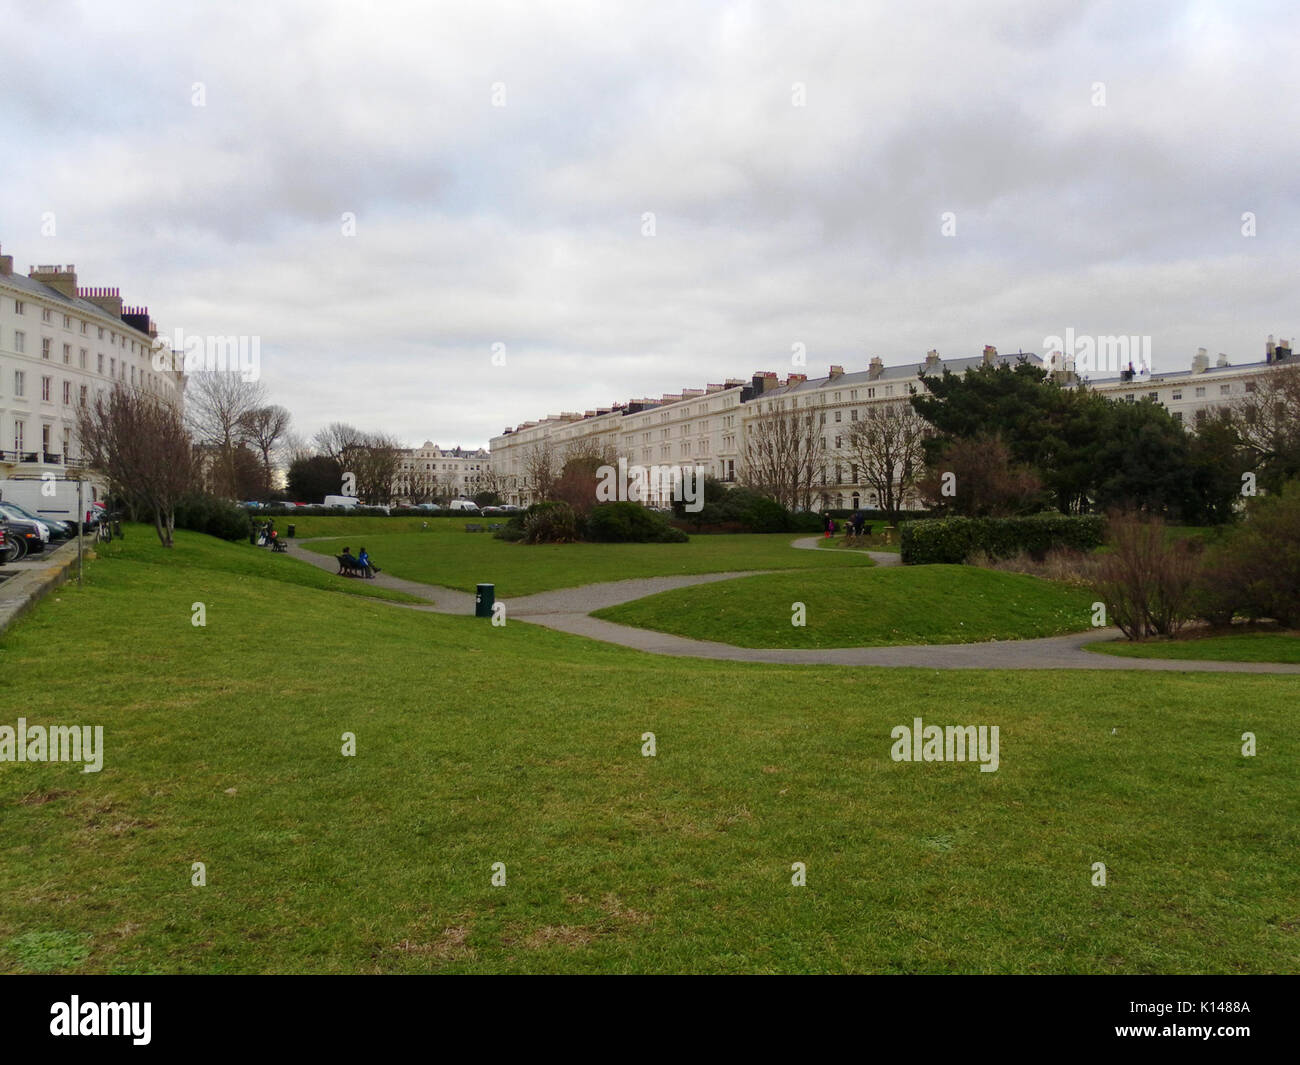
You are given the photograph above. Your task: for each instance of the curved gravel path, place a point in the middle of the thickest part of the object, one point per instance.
(568, 610)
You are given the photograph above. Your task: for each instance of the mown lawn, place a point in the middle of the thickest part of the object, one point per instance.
(195, 551)
(447, 555)
(1231, 647)
(865, 608)
(519, 745)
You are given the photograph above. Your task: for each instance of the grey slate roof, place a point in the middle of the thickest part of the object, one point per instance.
(76, 303)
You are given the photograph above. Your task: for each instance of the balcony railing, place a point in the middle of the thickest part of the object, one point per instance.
(49, 458)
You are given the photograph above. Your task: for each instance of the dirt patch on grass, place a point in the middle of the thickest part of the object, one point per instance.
(41, 797)
(450, 945)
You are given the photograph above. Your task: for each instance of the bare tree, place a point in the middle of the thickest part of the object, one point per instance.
(375, 463)
(1267, 422)
(541, 470)
(263, 428)
(784, 453)
(142, 445)
(885, 447)
(216, 407)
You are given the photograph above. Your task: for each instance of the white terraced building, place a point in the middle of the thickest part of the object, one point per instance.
(705, 427)
(429, 471)
(61, 346)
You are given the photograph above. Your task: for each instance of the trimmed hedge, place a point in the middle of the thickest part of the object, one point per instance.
(953, 540)
(216, 517)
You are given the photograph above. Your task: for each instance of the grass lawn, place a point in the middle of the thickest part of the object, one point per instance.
(478, 745)
(865, 608)
(447, 555)
(1231, 647)
(862, 543)
(195, 551)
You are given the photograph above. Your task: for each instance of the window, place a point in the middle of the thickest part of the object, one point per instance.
(823, 421)
(84, 327)
(18, 435)
(20, 342)
(67, 393)
(99, 362)
(101, 332)
(853, 415)
(1178, 416)
(20, 382)
(1200, 393)
(1177, 396)
(82, 358)
(1154, 395)
(45, 389)
(1250, 386)
(112, 366)
(47, 315)
(67, 354)
(1224, 389)
(67, 321)
(1130, 398)
(45, 347)
(837, 442)
(82, 395)
(20, 307)
(871, 393)
(837, 417)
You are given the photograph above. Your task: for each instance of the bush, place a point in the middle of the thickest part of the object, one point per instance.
(953, 540)
(216, 517)
(631, 523)
(550, 523)
(1146, 580)
(1255, 571)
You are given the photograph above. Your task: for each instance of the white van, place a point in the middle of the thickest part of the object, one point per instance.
(53, 499)
(464, 504)
(342, 501)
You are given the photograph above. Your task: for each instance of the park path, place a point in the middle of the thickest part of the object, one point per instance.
(568, 610)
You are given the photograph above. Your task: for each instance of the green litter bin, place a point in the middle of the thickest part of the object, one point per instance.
(292, 529)
(484, 599)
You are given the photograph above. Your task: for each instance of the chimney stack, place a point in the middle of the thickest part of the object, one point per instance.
(990, 354)
(60, 279)
(836, 371)
(798, 379)
(6, 266)
(1201, 361)
(931, 359)
(1222, 360)
(876, 368)
(106, 299)
(1282, 351)
(1269, 348)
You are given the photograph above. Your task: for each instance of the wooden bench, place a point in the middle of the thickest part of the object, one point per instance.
(349, 568)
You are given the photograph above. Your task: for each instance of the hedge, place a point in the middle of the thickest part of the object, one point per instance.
(953, 540)
(628, 523)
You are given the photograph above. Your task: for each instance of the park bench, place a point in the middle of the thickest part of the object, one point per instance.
(473, 528)
(349, 567)
(279, 547)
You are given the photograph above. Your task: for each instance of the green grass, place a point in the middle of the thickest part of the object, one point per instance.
(862, 543)
(1231, 647)
(478, 745)
(447, 555)
(196, 551)
(865, 608)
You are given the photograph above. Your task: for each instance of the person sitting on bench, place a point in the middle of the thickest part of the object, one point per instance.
(368, 569)
(349, 562)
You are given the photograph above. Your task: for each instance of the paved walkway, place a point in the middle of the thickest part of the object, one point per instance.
(569, 609)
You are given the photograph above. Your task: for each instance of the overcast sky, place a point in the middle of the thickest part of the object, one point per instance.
(798, 159)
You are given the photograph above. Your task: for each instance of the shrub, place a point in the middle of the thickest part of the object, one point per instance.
(631, 523)
(953, 540)
(550, 523)
(216, 517)
(1255, 570)
(1146, 580)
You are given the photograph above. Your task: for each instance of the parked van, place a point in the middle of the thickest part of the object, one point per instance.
(53, 500)
(342, 501)
(464, 504)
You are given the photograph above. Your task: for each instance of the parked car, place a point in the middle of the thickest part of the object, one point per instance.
(492, 510)
(22, 538)
(13, 512)
(467, 505)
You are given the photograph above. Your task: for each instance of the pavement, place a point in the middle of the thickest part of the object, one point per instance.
(569, 610)
(25, 583)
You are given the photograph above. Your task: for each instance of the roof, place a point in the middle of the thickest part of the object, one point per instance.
(83, 307)
(1166, 375)
(904, 372)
